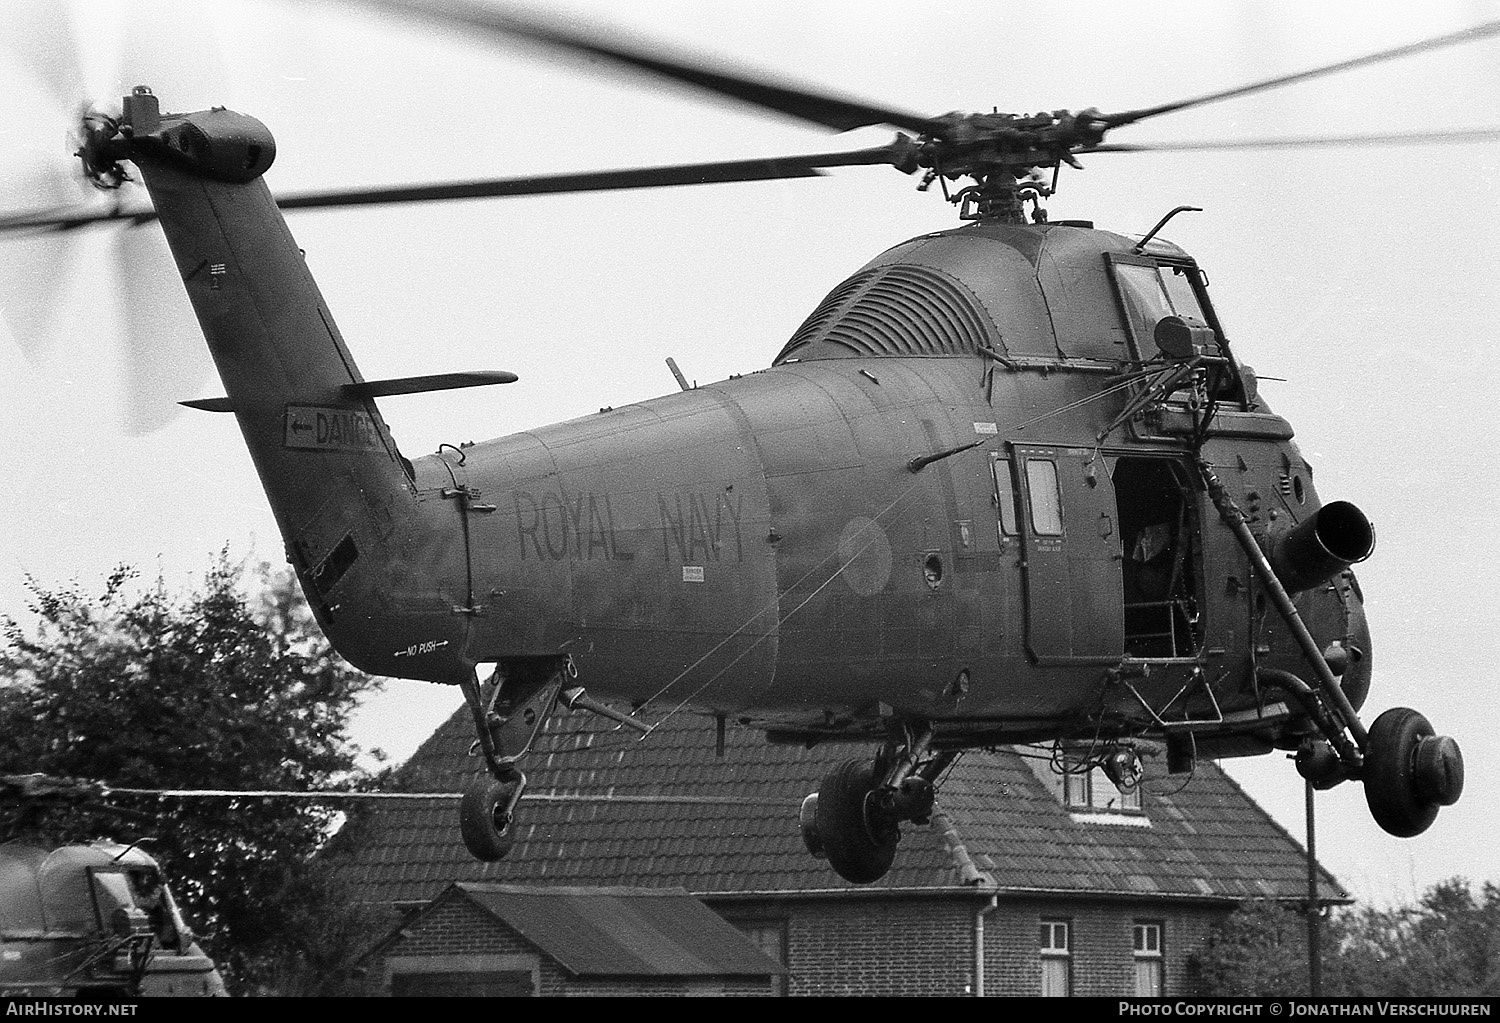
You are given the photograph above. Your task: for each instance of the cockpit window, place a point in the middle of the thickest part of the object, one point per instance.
(1151, 292)
(1180, 290)
(1145, 298)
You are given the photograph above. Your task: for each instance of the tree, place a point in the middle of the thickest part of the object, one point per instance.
(1259, 950)
(208, 690)
(1448, 944)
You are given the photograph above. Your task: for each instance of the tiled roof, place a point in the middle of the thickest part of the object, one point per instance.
(621, 931)
(604, 808)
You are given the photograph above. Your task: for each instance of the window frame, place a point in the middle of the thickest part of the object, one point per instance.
(1050, 954)
(1152, 959)
(1049, 487)
(754, 928)
(1088, 781)
(1230, 387)
(1007, 495)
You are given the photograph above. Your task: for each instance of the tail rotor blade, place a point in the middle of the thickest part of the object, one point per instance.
(33, 270)
(38, 34)
(163, 353)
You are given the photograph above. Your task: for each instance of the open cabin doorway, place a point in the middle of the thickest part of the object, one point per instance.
(1160, 558)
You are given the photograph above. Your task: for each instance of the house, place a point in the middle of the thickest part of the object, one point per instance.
(503, 940)
(1027, 881)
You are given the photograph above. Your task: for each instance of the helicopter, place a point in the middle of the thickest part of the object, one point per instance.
(1008, 483)
(88, 920)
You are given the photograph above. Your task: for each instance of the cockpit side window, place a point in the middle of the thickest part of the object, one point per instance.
(1146, 301)
(1149, 291)
(1180, 290)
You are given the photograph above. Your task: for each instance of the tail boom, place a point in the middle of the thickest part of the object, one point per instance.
(374, 554)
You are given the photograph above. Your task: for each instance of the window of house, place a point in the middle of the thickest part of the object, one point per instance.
(1046, 500)
(1056, 949)
(770, 937)
(1093, 791)
(1149, 963)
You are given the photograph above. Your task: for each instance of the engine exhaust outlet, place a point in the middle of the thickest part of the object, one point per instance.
(1322, 545)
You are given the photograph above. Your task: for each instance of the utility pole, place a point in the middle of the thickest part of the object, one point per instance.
(1314, 916)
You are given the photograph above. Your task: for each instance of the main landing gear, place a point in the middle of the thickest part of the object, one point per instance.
(521, 697)
(854, 819)
(1409, 773)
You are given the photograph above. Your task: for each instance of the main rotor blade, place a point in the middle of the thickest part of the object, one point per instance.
(772, 169)
(1480, 31)
(900, 154)
(807, 104)
(1414, 138)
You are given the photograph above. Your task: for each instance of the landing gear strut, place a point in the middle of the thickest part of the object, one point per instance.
(854, 819)
(507, 723)
(523, 697)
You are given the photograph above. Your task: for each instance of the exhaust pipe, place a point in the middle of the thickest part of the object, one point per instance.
(1322, 545)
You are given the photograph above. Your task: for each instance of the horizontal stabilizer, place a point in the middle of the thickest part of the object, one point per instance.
(433, 382)
(382, 388)
(209, 404)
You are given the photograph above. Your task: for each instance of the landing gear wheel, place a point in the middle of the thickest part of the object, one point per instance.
(484, 820)
(1410, 772)
(807, 823)
(859, 844)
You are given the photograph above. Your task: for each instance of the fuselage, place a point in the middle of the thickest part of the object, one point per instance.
(763, 545)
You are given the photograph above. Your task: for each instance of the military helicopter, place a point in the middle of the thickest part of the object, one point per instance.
(1008, 483)
(87, 920)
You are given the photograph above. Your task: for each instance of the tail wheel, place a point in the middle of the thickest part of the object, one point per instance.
(859, 843)
(1410, 772)
(484, 818)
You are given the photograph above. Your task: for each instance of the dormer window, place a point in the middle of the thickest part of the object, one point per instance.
(1091, 791)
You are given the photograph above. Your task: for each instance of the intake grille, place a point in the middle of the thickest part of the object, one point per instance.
(893, 310)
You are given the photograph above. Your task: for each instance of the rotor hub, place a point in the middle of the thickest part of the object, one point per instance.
(1005, 156)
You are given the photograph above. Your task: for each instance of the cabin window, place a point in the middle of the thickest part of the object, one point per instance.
(1046, 500)
(1056, 947)
(1005, 497)
(1146, 943)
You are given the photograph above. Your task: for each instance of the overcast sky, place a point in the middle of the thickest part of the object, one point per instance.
(1363, 276)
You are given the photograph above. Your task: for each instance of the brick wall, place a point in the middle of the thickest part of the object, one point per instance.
(925, 946)
(903, 947)
(1101, 956)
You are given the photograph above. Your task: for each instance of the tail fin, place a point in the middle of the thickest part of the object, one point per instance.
(340, 489)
